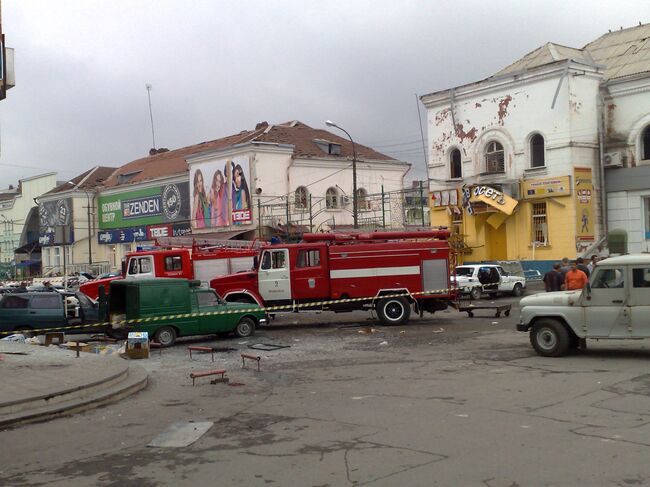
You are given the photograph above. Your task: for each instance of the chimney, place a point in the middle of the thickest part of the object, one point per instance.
(261, 125)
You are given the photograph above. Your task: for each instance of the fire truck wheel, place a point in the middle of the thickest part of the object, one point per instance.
(394, 311)
(245, 328)
(166, 336)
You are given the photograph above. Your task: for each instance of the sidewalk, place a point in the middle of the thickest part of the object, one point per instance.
(47, 382)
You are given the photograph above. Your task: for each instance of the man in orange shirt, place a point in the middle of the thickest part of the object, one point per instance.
(575, 278)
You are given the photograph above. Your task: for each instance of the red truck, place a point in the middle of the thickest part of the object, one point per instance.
(201, 263)
(326, 267)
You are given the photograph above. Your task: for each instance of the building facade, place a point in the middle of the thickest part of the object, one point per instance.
(517, 161)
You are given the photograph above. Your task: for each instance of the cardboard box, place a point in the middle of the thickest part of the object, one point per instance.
(137, 345)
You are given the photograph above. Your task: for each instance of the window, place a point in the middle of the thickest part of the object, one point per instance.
(266, 261)
(362, 199)
(608, 278)
(173, 263)
(68, 254)
(641, 277)
(308, 258)
(456, 164)
(46, 302)
(539, 225)
(207, 298)
(537, 151)
(645, 144)
(278, 259)
(494, 157)
(141, 265)
(57, 257)
(46, 257)
(301, 197)
(14, 302)
(332, 199)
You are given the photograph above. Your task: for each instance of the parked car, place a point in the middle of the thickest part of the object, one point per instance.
(35, 310)
(614, 305)
(175, 305)
(476, 279)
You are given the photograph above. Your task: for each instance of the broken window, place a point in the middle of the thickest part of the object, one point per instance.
(301, 197)
(537, 151)
(456, 164)
(494, 157)
(645, 144)
(332, 199)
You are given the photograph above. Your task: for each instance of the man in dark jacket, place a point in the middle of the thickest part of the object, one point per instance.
(553, 279)
(581, 266)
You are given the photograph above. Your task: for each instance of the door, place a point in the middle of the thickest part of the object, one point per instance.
(274, 283)
(209, 301)
(605, 307)
(47, 310)
(140, 268)
(309, 275)
(497, 242)
(639, 301)
(505, 281)
(14, 312)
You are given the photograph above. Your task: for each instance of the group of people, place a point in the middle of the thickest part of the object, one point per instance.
(211, 208)
(569, 275)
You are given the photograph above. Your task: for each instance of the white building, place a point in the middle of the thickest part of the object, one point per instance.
(534, 132)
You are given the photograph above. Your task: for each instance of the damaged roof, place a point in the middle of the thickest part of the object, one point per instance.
(90, 179)
(301, 136)
(623, 53)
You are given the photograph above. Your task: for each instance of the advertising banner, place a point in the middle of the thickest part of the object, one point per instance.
(210, 189)
(241, 196)
(492, 197)
(584, 202)
(155, 231)
(546, 188)
(150, 206)
(53, 216)
(122, 235)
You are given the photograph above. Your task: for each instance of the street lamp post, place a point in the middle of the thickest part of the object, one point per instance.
(90, 244)
(355, 216)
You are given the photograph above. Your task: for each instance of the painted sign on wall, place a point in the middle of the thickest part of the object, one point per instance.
(53, 217)
(584, 203)
(150, 206)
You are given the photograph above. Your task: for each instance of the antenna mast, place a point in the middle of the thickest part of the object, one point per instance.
(153, 133)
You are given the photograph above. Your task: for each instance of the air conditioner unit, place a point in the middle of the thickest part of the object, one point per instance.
(345, 200)
(612, 159)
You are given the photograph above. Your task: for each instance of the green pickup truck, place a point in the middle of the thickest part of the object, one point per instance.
(172, 308)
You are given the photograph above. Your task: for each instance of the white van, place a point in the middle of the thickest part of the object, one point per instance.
(614, 305)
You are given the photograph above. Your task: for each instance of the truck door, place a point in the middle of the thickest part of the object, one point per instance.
(605, 306)
(274, 283)
(140, 268)
(310, 278)
(639, 301)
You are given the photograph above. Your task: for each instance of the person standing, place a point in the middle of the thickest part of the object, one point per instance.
(581, 265)
(564, 266)
(575, 279)
(592, 264)
(553, 279)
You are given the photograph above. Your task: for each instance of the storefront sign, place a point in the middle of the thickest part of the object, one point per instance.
(181, 229)
(584, 202)
(546, 188)
(492, 197)
(150, 206)
(122, 235)
(156, 231)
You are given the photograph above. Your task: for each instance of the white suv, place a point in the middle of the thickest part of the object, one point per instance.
(615, 304)
(475, 279)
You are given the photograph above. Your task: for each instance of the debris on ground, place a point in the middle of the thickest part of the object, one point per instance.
(267, 347)
(439, 330)
(384, 343)
(16, 337)
(367, 329)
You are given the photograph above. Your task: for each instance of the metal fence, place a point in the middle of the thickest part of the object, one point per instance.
(293, 215)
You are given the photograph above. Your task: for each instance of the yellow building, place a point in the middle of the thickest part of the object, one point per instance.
(545, 219)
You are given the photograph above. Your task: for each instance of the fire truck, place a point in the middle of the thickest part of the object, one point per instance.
(386, 272)
(197, 262)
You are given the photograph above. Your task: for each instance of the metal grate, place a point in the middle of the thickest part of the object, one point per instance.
(539, 224)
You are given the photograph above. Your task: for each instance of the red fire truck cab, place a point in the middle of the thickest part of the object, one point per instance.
(202, 263)
(389, 272)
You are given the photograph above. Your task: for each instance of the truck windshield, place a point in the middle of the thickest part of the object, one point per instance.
(464, 271)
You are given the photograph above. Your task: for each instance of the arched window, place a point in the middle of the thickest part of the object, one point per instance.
(362, 199)
(331, 199)
(301, 197)
(645, 144)
(494, 157)
(537, 151)
(456, 164)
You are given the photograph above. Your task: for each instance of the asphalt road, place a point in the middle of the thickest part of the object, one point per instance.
(446, 400)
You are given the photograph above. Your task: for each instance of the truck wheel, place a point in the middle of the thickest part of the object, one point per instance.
(550, 338)
(518, 290)
(475, 293)
(394, 311)
(166, 336)
(245, 328)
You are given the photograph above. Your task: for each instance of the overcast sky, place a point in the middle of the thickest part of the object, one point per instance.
(220, 67)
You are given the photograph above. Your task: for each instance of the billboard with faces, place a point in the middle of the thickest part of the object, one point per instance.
(219, 194)
(53, 218)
